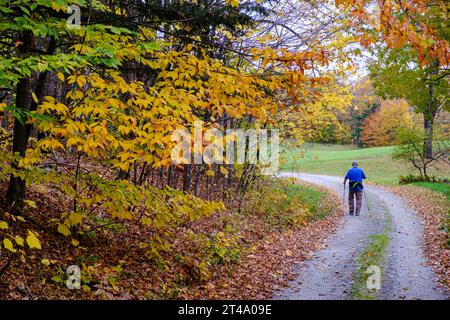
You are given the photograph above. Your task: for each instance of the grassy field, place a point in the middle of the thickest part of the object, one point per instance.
(336, 160)
(441, 187)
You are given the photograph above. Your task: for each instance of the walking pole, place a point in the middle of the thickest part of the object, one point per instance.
(343, 197)
(365, 197)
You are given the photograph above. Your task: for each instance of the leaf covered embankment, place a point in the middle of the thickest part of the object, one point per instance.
(282, 225)
(433, 208)
(230, 254)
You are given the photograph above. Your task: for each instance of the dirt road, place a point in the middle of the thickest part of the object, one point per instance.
(330, 274)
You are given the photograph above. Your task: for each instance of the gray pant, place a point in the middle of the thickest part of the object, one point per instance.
(351, 201)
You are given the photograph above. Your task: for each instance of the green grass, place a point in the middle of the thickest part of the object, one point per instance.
(440, 187)
(311, 198)
(284, 203)
(373, 254)
(336, 160)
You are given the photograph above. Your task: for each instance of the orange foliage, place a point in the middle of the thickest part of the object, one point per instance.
(379, 128)
(402, 23)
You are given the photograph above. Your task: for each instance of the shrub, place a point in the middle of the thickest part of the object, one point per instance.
(283, 203)
(410, 148)
(412, 178)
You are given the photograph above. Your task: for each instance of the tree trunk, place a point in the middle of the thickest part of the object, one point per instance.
(187, 177)
(15, 194)
(429, 113)
(428, 140)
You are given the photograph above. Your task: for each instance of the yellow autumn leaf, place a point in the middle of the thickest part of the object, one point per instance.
(19, 240)
(72, 141)
(81, 81)
(75, 218)
(9, 245)
(45, 262)
(31, 203)
(3, 225)
(62, 228)
(234, 3)
(224, 171)
(33, 95)
(33, 241)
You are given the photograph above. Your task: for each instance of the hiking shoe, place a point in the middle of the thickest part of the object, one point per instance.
(351, 213)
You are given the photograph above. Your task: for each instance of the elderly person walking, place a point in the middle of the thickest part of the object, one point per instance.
(355, 176)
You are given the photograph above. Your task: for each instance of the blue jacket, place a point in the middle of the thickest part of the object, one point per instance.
(355, 174)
